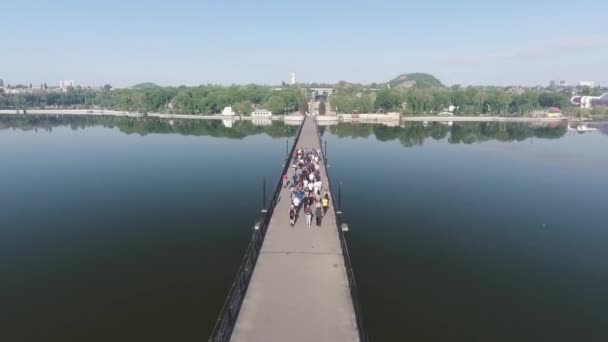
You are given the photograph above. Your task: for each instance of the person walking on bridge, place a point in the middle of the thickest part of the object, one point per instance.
(294, 179)
(325, 202)
(292, 215)
(318, 214)
(308, 212)
(296, 201)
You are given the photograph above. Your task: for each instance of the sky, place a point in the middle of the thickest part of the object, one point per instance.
(177, 42)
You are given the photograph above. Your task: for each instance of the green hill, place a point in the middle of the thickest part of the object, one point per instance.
(418, 80)
(147, 85)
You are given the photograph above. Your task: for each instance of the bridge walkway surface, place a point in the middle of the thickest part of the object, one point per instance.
(299, 290)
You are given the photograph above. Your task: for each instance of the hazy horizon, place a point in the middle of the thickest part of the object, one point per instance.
(193, 43)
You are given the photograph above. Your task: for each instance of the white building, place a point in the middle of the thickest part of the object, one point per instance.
(228, 111)
(66, 84)
(292, 78)
(589, 84)
(261, 113)
(322, 91)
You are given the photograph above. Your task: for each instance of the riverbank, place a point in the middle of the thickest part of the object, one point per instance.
(479, 119)
(101, 112)
(388, 118)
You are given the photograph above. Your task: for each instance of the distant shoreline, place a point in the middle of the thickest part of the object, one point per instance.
(363, 118)
(480, 119)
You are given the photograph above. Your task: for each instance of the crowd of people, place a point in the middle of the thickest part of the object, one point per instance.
(306, 187)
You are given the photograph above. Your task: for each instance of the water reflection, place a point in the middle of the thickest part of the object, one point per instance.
(408, 134)
(415, 133)
(142, 126)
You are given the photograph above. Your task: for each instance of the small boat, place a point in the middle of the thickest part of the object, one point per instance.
(585, 128)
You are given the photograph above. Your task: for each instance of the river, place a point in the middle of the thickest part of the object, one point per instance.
(132, 229)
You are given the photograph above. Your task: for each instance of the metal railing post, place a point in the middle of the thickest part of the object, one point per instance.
(340, 196)
(264, 193)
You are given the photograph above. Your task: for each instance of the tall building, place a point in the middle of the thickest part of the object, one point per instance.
(1, 83)
(292, 78)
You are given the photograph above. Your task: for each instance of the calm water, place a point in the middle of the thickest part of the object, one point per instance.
(107, 236)
(122, 230)
(462, 240)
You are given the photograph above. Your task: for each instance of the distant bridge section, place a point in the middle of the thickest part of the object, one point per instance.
(323, 93)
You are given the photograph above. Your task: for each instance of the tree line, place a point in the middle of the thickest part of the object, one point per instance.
(207, 99)
(466, 100)
(348, 98)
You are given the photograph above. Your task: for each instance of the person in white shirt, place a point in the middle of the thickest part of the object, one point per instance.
(310, 186)
(311, 177)
(317, 186)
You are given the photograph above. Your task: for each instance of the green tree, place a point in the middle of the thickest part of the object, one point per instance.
(322, 108)
(243, 107)
(387, 100)
(276, 104)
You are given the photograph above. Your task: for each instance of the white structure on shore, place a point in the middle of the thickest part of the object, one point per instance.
(292, 78)
(590, 102)
(228, 111)
(322, 91)
(589, 84)
(261, 113)
(66, 84)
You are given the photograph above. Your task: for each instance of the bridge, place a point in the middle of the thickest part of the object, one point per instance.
(320, 93)
(294, 284)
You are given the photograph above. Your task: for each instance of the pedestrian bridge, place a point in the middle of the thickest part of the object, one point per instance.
(294, 284)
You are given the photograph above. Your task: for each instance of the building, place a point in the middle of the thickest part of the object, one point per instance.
(292, 78)
(1, 83)
(228, 111)
(261, 113)
(590, 102)
(552, 112)
(589, 84)
(318, 93)
(552, 84)
(66, 84)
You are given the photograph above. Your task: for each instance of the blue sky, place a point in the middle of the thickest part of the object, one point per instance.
(195, 42)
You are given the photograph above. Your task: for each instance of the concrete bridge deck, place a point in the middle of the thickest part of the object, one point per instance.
(299, 290)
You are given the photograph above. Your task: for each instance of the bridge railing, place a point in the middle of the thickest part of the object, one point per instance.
(347, 263)
(230, 311)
